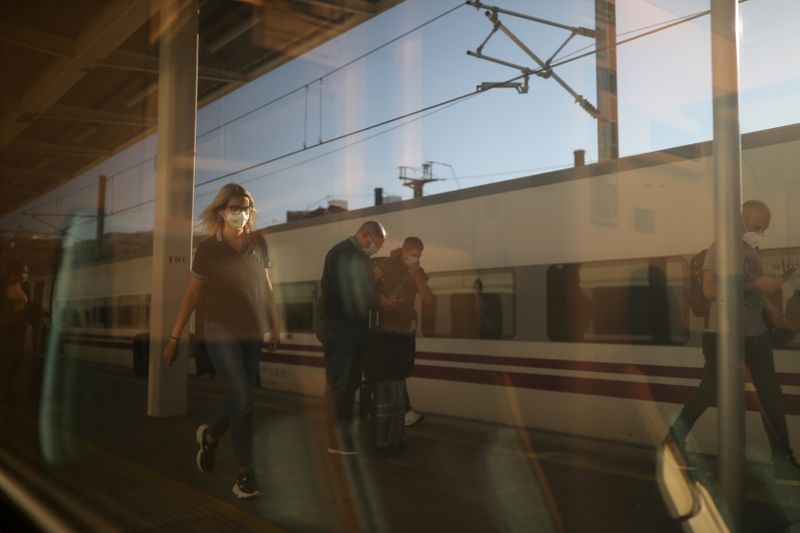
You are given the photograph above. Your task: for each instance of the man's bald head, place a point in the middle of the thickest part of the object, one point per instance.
(754, 205)
(371, 236)
(373, 228)
(755, 216)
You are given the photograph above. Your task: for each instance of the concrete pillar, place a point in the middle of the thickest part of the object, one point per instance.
(730, 282)
(174, 199)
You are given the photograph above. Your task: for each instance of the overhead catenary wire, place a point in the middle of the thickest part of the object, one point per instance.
(305, 87)
(415, 115)
(80, 190)
(661, 27)
(344, 136)
(344, 147)
(300, 163)
(447, 103)
(432, 108)
(636, 30)
(461, 97)
(319, 79)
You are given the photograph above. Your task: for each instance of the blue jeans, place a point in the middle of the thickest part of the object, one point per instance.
(236, 361)
(344, 347)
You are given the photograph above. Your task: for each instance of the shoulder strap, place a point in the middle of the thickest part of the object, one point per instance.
(261, 244)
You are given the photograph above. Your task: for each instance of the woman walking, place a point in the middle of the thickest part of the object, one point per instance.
(231, 267)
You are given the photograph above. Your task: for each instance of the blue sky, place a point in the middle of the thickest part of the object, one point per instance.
(664, 100)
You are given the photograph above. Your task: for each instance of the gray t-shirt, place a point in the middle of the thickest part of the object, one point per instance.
(753, 299)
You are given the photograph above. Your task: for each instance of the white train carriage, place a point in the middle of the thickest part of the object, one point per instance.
(105, 307)
(580, 323)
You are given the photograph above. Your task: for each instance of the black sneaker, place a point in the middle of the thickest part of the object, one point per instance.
(786, 471)
(207, 454)
(247, 485)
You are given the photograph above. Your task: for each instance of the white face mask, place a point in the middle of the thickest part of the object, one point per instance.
(237, 220)
(372, 249)
(752, 238)
(412, 260)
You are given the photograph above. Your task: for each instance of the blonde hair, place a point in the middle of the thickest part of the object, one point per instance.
(213, 221)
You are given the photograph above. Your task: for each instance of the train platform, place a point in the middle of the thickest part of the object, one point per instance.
(137, 473)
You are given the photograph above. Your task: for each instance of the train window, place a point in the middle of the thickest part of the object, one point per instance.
(296, 305)
(472, 305)
(631, 301)
(99, 313)
(126, 311)
(72, 316)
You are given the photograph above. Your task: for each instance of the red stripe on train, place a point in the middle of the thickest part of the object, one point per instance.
(577, 385)
(784, 378)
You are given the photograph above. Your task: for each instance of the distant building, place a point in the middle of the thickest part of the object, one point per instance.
(334, 206)
(338, 205)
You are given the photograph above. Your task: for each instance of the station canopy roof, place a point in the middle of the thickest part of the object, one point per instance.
(80, 78)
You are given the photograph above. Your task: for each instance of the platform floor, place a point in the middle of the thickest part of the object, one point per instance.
(98, 447)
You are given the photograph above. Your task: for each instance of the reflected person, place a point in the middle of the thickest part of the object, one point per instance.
(231, 267)
(13, 323)
(488, 313)
(759, 358)
(399, 279)
(348, 299)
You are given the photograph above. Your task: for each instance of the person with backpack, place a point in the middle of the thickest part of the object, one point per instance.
(758, 346)
(231, 266)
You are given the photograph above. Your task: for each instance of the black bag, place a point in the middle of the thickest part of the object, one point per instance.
(780, 333)
(389, 355)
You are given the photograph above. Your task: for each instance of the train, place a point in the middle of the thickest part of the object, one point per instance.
(561, 298)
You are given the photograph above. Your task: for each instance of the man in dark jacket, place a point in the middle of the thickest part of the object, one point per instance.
(348, 299)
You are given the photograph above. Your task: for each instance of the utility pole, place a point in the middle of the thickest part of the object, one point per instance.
(604, 188)
(417, 184)
(606, 68)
